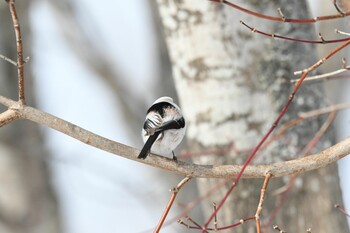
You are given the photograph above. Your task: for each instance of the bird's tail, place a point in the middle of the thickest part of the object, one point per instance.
(147, 147)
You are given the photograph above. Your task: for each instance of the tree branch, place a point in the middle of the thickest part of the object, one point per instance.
(274, 36)
(7, 117)
(20, 61)
(282, 18)
(175, 190)
(296, 166)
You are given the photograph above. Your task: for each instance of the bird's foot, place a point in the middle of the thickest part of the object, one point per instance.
(174, 157)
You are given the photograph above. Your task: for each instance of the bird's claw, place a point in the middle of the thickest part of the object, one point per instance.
(174, 157)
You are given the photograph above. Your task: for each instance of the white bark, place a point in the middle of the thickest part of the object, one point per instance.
(231, 85)
(207, 69)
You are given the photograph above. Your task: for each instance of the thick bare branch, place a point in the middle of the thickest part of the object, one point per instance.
(286, 168)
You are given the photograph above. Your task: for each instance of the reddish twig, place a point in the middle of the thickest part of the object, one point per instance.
(20, 61)
(304, 116)
(321, 41)
(282, 18)
(241, 222)
(171, 201)
(194, 226)
(194, 203)
(261, 202)
(198, 227)
(281, 114)
(341, 209)
(337, 8)
(306, 151)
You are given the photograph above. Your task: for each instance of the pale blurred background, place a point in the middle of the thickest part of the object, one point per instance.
(98, 64)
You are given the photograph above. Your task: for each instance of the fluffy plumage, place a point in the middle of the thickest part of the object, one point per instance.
(163, 129)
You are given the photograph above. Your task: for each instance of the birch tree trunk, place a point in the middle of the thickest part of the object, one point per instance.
(231, 84)
(27, 202)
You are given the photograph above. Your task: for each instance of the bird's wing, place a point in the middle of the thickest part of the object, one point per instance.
(147, 147)
(152, 123)
(173, 124)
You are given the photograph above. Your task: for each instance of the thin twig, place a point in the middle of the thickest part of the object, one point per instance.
(194, 203)
(275, 227)
(341, 209)
(317, 137)
(20, 62)
(261, 202)
(188, 218)
(321, 76)
(272, 128)
(199, 227)
(171, 201)
(215, 218)
(8, 60)
(343, 61)
(311, 144)
(241, 222)
(296, 166)
(332, 108)
(321, 41)
(281, 14)
(301, 117)
(337, 8)
(282, 19)
(194, 226)
(304, 116)
(342, 33)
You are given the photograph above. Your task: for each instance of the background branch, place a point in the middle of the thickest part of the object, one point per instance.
(175, 191)
(282, 18)
(321, 41)
(20, 62)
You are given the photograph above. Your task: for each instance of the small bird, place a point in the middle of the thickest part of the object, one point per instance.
(164, 128)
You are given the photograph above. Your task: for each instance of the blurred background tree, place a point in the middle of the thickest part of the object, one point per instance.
(231, 85)
(77, 51)
(27, 201)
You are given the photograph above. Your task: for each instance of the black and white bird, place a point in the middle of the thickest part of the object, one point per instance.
(164, 128)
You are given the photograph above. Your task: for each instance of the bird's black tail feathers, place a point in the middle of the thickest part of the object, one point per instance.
(147, 147)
